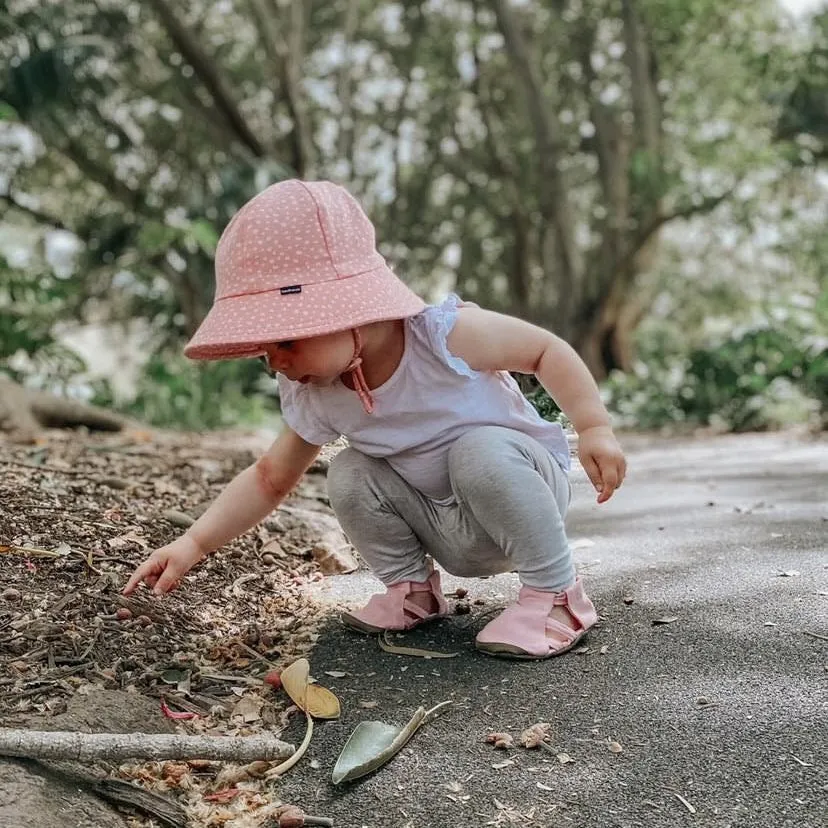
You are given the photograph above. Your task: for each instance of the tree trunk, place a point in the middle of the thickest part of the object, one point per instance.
(115, 747)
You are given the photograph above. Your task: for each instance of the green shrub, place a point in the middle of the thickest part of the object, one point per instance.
(758, 379)
(175, 392)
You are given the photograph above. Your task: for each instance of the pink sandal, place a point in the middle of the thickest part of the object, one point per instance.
(525, 630)
(394, 611)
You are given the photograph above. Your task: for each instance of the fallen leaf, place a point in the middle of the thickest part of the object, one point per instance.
(314, 699)
(335, 673)
(501, 765)
(368, 705)
(564, 758)
(174, 714)
(790, 573)
(604, 650)
(248, 708)
(666, 619)
(614, 747)
(544, 787)
(372, 744)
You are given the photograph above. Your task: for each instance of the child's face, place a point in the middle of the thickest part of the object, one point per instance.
(318, 359)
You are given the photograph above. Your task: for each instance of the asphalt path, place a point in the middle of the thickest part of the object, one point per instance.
(717, 718)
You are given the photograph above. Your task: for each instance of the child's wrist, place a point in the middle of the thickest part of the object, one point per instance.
(601, 426)
(199, 547)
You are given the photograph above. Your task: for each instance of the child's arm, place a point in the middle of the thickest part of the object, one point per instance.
(489, 341)
(247, 499)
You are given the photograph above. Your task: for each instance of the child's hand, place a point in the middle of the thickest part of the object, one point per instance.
(602, 459)
(166, 566)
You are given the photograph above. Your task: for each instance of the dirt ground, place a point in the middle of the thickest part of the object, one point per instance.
(77, 513)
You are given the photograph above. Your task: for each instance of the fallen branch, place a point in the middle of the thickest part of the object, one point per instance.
(115, 747)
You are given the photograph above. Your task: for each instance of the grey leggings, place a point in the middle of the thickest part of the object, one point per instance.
(510, 499)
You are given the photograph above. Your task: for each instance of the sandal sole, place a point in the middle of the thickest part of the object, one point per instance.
(510, 651)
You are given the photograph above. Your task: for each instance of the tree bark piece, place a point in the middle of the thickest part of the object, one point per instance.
(24, 412)
(115, 747)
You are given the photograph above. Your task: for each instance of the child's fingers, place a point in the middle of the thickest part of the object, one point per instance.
(611, 478)
(142, 573)
(593, 471)
(167, 581)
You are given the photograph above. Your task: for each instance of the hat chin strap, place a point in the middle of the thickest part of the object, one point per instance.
(355, 369)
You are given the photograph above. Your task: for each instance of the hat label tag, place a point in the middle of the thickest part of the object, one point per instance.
(290, 289)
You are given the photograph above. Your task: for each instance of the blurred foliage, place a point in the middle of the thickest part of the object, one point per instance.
(140, 128)
(175, 392)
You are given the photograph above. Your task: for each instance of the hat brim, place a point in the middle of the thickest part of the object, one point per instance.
(238, 326)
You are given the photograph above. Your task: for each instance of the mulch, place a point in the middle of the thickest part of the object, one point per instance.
(78, 511)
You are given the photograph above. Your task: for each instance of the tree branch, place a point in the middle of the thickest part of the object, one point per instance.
(206, 70)
(707, 205)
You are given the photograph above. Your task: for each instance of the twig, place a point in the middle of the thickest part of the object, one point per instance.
(386, 645)
(30, 551)
(258, 656)
(816, 635)
(685, 803)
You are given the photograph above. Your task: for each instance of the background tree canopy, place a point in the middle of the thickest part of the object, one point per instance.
(643, 177)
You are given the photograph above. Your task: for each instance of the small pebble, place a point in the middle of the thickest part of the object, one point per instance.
(123, 613)
(268, 559)
(462, 609)
(460, 592)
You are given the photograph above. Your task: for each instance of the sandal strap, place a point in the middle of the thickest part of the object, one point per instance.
(415, 609)
(561, 634)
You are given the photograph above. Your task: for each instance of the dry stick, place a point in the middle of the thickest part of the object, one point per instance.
(816, 635)
(115, 747)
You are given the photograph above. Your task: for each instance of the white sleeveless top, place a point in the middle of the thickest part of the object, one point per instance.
(431, 399)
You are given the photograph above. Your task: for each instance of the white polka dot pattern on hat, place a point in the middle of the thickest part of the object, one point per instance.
(309, 234)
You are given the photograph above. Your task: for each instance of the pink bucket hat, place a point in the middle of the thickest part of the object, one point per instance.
(298, 260)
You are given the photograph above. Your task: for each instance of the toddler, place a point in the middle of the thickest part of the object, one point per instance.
(447, 460)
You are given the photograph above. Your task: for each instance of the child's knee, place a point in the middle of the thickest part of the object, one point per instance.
(346, 477)
(477, 456)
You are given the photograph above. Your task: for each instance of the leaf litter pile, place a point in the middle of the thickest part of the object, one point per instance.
(77, 513)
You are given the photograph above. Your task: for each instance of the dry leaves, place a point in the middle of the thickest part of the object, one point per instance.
(502, 741)
(535, 735)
